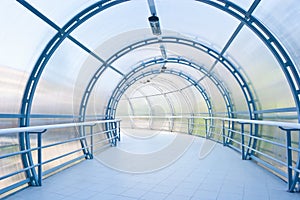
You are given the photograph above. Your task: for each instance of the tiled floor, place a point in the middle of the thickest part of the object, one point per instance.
(219, 175)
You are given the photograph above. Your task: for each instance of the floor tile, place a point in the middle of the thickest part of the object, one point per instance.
(220, 175)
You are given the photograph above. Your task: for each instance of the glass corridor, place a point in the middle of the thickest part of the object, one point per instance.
(76, 77)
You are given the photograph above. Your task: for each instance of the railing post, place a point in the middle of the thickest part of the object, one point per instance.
(223, 133)
(206, 129)
(83, 142)
(115, 133)
(189, 125)
(172, 123)
(39, 155)
(119, 130)
(92, 142)
(243, 141)
(289, 159)
(191, 122)
(40, 170)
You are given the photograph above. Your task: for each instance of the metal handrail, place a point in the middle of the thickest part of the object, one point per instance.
(247, 150)
(113, 135)
(53, 126)
(259, 122)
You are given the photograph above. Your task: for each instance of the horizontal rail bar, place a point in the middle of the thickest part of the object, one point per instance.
(270, 157)
(259, 122)
(63, 142)
(17, 172)
(294, 149)
(15, 185)
(234, 148)
(54, 126)
(18, 153)
(62, 165)
(51, 145)
(268, 165)
(62, 156)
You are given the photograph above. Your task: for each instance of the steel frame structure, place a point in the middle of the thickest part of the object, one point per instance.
(167, 100)
(124, 85)
(129, 79)
(245, 17)
(182, 41)
(185, 98)
(200, 89)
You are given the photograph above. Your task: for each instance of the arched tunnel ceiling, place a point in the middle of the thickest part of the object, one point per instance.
(78, 60)
(86, 42)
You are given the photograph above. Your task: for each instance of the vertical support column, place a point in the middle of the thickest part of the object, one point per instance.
(292, 182)
(189, 125)
(289, 160)
(40, 160)
(243, 141)
(119, 130)
(171, 123)
(206, 129)
(109, 132)
(223, 133)
(192, 121)
(115, 133)
(249, 152)
(39, 156)
(84, 143)
(92, 142)
(230, 133)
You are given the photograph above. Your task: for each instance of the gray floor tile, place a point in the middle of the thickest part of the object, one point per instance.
(204, 194)
(134, 193)
(220, 175)
(177, 197)
(154, 195)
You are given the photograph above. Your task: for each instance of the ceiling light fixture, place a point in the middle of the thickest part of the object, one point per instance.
(163, 51)
(154, 23)
(163, 68)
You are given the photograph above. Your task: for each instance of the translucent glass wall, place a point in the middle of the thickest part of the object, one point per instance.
(206, 45)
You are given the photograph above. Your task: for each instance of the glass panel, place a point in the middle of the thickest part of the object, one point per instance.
(283, 23)
(12, 85)
(103, 90)
(235, 92)
(55, 91)
(190, 53)
(10, 144)
(263, 73)
(243, 4)
(22, 39)
(100, 31)
(59, 12)
(217, 101)
(196, 20)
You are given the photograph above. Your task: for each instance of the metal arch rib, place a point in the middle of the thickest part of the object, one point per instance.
(154, 61)
(171, 107)
(110, 112)
(123, 86)
(287, 65)
(131, 108)
(242, 82)
(45, 56)
(53, 44)
(248, 94)
(276, 48)
(232, 69)
(149, 105)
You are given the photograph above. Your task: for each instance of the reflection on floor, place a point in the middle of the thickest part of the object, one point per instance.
(195, 169)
